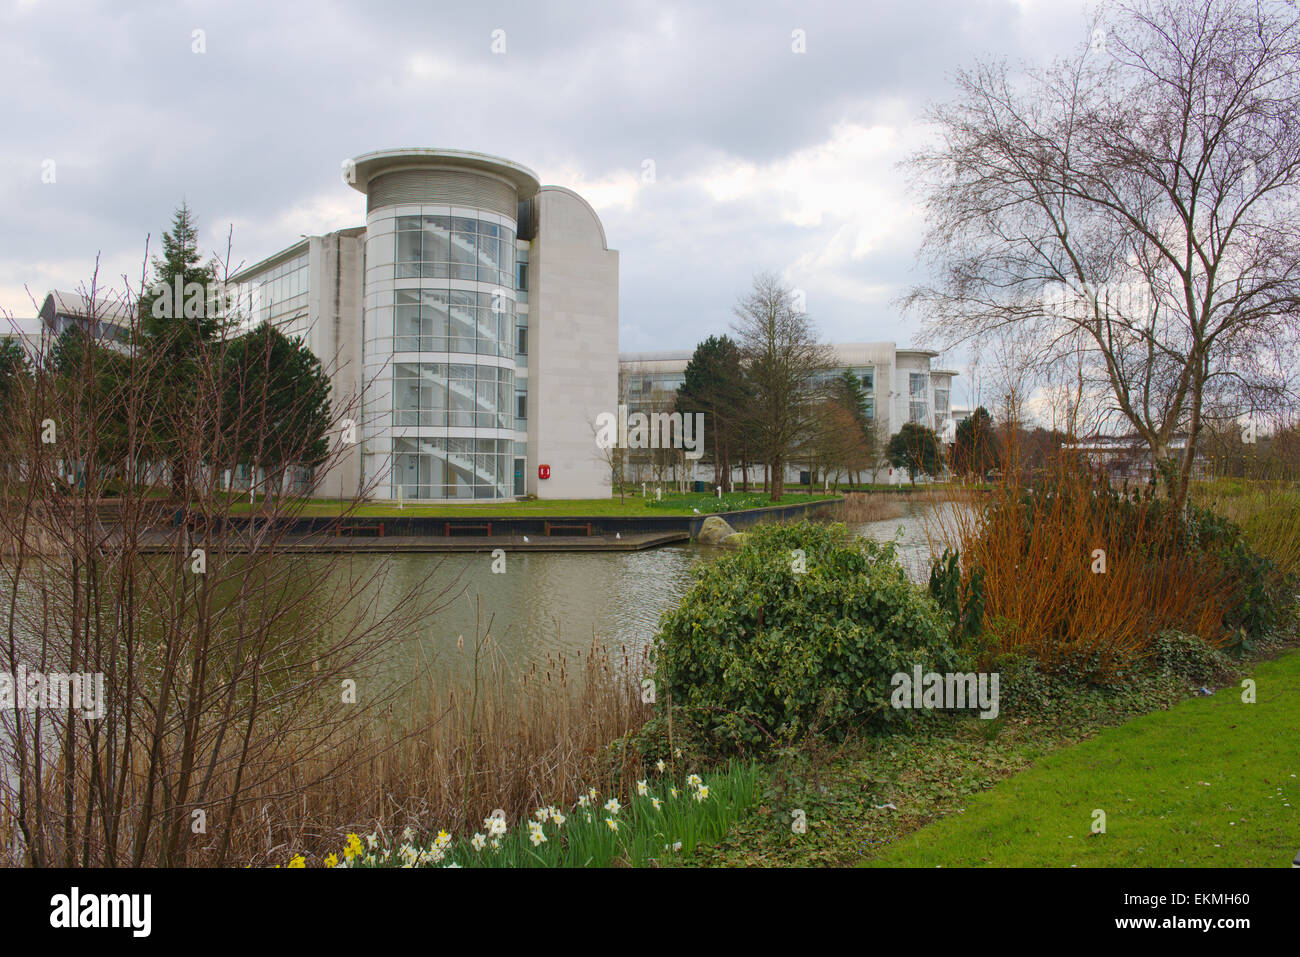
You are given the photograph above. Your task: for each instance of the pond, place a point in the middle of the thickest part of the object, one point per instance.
(548, 604)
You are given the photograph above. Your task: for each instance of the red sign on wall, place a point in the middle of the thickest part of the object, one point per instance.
(543, 471)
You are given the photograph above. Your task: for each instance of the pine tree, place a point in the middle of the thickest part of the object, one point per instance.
(179, 324)
(714, 383)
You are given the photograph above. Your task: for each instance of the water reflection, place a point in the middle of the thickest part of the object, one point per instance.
(548, 604)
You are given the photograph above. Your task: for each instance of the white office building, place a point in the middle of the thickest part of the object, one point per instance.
(900, 384)
(472, 323)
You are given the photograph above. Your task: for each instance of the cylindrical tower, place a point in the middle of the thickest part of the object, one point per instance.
(438, 340)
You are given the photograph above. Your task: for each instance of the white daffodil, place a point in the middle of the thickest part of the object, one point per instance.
(478, 842)
(612, 806)
(642, 788)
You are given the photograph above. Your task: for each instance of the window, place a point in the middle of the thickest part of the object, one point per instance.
(456, 247)
(521, 341)
(521, 407)
(521, 275)
(919, 407)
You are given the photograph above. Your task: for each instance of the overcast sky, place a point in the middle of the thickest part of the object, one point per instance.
(764, 158)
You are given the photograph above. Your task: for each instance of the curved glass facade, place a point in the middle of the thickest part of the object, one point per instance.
(439, 350)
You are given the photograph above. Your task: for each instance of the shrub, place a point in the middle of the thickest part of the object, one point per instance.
(1083, 576)
(1190, 657)
(765, 653)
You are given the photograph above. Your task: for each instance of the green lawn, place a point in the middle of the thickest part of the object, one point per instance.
(672, 504)
(1210, 782)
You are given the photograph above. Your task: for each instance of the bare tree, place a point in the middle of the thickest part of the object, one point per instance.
(221, 675)
(782, 357)
(1138, 201)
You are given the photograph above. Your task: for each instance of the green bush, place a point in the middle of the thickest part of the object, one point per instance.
(1259, 591)
(765, 654)
(1191, 658)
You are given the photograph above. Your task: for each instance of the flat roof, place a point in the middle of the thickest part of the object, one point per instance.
(369, 165)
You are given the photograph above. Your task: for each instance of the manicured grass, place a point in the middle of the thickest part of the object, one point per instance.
(1211, 782)
(674, 504)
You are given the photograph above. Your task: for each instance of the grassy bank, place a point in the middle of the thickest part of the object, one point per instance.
(1021, 791)
(1209, 783)
(632, 506)
(1086, 724)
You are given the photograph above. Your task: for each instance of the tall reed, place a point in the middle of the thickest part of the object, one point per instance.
(1074, 575)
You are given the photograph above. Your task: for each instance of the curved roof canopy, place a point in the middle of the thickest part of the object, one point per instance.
(369, 165)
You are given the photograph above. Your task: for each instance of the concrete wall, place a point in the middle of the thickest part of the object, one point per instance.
(573, 347)
(334, 312)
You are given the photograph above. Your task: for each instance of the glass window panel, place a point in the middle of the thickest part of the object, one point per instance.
(437, 239)
(505, 389)
(410, 246)
(464, 247)
(461, 322)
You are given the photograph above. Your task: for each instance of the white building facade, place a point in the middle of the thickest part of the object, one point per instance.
(900, 384)
(472, 324)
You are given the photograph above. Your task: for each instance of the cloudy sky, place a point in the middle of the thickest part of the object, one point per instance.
(763, 158)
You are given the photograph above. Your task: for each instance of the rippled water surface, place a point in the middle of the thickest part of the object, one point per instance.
(548, 604)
